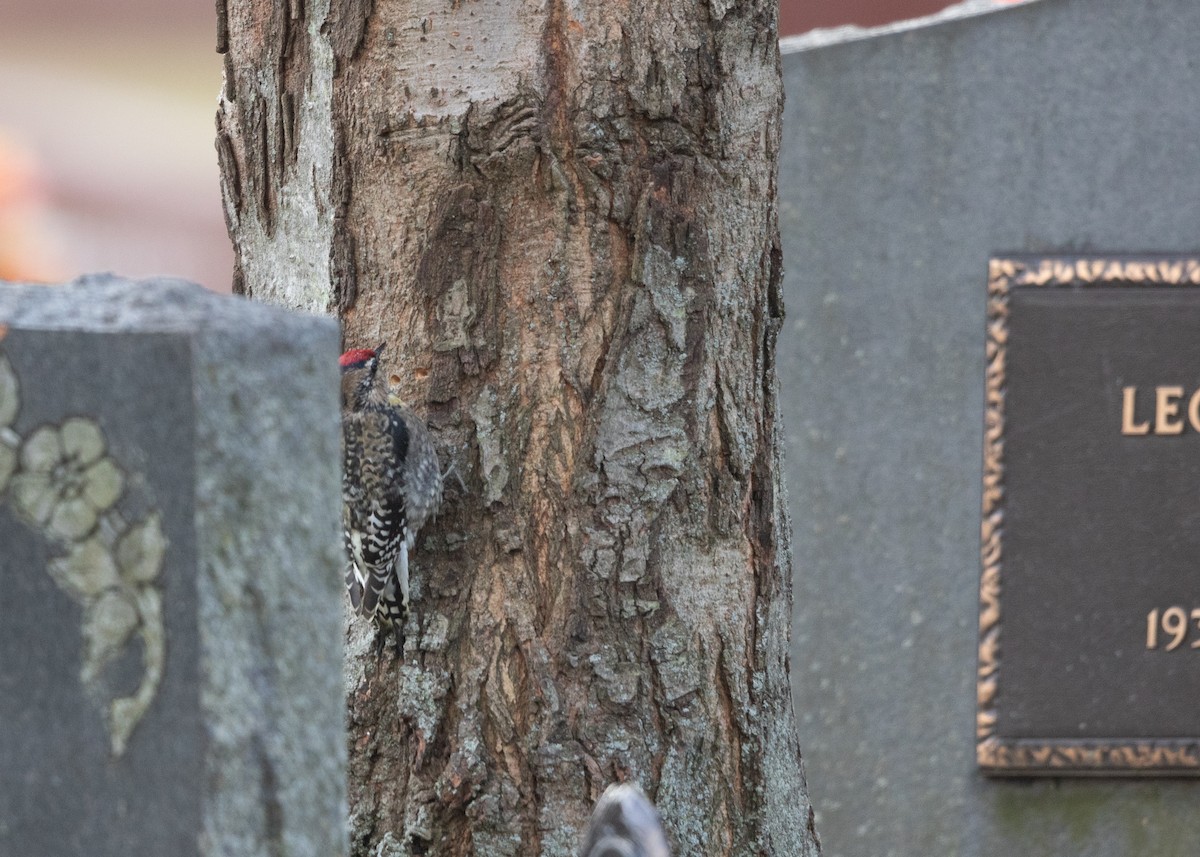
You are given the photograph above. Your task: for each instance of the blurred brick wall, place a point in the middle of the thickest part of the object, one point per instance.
(799, 16)
(106, 133)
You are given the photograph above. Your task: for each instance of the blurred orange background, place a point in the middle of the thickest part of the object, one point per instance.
(106, 140)
(106, 133)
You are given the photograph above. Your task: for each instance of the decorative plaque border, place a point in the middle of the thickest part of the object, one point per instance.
(1033, 756)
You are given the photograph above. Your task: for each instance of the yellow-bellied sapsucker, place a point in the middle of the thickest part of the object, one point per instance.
(391, 483)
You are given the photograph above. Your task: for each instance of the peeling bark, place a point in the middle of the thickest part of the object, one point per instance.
(561, 219)
(275, 148)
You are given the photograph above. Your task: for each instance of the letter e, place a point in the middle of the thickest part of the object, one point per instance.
(1166, 402)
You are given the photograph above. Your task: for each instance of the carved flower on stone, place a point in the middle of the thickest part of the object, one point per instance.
(9, 390)
(140, 551)
(118, 599)
(65, 481)
(9, 402)
(61, 480)
(8, 463)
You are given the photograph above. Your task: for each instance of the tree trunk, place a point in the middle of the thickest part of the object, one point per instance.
(561, 219)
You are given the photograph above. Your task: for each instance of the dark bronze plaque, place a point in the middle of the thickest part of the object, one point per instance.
(1089, 652)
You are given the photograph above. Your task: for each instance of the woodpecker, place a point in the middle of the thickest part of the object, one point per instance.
(624, 824)
(391, 484)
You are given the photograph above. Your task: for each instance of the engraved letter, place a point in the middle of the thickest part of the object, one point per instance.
(1127, 424)
(1194, 410)
(1167, 407)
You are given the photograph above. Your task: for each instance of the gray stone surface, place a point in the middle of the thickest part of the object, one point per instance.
(909, 158)
(170, 633)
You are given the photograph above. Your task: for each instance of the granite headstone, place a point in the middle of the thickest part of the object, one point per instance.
(170, 630)
(910, 157)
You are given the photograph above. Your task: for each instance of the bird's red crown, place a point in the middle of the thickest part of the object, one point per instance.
(356, 357)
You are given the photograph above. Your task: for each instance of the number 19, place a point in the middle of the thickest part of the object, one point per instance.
(1174, 621)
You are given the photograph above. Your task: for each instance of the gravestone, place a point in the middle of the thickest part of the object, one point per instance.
(171, 626)
(910, 158)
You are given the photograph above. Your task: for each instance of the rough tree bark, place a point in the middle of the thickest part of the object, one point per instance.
(560, 216)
